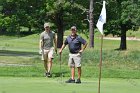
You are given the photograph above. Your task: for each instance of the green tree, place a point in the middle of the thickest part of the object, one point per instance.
(4, 24)
(33, 14)
(6, 10)
(25, 13)
(64, 14)
(123, 15)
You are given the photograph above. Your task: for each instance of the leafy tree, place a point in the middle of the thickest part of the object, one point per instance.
(5, 20)
(64, 14)
(123, 15)
(4, 24)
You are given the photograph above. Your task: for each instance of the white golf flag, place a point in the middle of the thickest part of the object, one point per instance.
(102, 19)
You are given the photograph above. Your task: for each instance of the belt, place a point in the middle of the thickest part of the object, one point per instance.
(74, 52)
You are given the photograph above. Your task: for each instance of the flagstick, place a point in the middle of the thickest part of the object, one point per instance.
(100, 65)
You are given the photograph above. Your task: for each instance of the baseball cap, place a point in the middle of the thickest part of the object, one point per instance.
(46, 25)
(73, 27)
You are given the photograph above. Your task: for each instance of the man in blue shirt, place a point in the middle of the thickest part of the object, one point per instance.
(74, 43)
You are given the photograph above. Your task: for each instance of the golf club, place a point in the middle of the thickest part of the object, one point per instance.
(61, 75)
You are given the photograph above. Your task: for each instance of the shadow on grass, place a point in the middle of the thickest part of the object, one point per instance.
(17, 53)
(119, 49)
(59, 74)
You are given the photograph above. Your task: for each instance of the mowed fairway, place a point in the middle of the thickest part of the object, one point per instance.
(54, 85)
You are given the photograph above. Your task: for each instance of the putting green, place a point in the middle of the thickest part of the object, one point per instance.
(56, 85)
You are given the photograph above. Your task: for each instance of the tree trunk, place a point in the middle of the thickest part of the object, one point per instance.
(60, 32)
(123, 38)
(29, 29)
(3, 31)
(91, 27)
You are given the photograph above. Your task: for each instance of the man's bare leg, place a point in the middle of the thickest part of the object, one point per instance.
(79, 72)
(79, 75)
(49, 65)
(45, 66)
(72, 73)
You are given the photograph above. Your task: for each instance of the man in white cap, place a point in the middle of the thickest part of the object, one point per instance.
(74, 43)
(47, 45)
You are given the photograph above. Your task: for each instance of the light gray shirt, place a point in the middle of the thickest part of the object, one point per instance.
(47, 38)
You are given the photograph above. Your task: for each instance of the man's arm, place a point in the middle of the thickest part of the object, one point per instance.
(83, 48)
(40, 46)
(84, 43)
(63, 46)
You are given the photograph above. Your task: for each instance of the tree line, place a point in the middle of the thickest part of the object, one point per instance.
(122, 15)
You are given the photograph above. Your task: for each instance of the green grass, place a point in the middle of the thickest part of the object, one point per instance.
(22, 71)
(29, 43)
(19, 58)
(131, 33)
(112, 67)
(55, 85)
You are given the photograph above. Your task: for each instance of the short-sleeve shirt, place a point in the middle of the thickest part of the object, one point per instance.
(74, 44)
(47, 38)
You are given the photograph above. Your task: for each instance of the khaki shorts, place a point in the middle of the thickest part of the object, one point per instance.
(48, 54)
(74, 60)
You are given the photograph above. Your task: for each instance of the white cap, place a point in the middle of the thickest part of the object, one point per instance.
(46, 25)
(73, 27)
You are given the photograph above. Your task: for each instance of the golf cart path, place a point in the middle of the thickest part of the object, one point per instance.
(118, 38)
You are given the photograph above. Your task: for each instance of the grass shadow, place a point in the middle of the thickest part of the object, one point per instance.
(17, 53)
(59, 74)
(119, 49)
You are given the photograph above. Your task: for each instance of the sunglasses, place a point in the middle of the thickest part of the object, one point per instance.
(73, 29)
(47, 27)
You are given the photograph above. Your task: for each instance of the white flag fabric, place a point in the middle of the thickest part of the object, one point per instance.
(102, 19)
